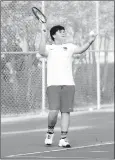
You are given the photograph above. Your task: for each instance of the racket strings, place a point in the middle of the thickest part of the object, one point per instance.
(39, 15)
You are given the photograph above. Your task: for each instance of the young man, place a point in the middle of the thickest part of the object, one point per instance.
(60, 82)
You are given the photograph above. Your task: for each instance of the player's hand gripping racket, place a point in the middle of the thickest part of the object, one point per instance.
(39, 15)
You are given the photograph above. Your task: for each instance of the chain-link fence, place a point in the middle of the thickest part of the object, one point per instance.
(85, 75)
(22, 83)
(22, 74)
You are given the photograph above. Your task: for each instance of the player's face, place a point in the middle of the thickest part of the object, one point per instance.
(60, 35)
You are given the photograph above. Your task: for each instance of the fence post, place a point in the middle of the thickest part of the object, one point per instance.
(98, 57)
(43, 72)
(43, 84)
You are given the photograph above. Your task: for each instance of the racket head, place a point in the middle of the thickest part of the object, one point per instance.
(39, 15)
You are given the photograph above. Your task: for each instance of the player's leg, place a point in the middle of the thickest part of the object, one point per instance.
(65, 122)
(67, 98)
(54, 106)
(52, 120)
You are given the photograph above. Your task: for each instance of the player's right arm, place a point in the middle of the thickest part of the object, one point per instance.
(43, 41)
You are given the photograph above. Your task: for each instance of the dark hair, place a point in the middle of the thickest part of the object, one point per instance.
(54, 29)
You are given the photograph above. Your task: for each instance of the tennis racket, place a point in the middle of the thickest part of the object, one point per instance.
(39, 15)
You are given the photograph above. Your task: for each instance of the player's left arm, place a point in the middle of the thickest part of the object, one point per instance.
(80, 50)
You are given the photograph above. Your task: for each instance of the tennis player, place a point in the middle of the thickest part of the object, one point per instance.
(60, 82)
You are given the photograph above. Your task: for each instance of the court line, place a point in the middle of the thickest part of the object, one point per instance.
(43, 130)
(37, 157)
(63, 149)
(99, 151)
(69, 158)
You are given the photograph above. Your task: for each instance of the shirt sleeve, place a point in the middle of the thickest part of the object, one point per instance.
(46, 52)
(47, 49)
(74, 48)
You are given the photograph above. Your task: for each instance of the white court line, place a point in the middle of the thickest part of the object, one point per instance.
(57, 157)
(83, 158)
(99, 151)
(63, 149)
(88, 158)
(43, 130)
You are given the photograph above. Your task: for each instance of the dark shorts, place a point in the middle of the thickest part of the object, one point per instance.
(61, 97)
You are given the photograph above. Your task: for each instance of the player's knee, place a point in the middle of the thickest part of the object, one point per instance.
(53, 113)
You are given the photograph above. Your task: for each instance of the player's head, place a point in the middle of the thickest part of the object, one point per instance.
(57, 32)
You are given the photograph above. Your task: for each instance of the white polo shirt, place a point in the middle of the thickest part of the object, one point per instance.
(59, 64)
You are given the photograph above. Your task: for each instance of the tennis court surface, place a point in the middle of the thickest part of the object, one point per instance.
(91, 136)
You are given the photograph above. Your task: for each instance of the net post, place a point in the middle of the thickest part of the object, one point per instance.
(98, 56)
(43, 84)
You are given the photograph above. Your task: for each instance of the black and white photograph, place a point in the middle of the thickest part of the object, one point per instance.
(57, 80)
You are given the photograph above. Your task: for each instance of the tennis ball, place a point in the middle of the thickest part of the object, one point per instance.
(92, 33)
(91, 109)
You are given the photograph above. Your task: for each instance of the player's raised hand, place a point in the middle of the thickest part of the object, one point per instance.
(44, 27)
(92, 36)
